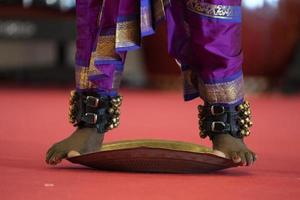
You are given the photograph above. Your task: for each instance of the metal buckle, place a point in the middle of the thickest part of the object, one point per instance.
(92, 101)
(215, 128)
(212, 110)
(91, 118)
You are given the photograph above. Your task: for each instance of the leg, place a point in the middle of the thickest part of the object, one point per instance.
(106, 31)
(87, 139)
(211, 60)
(93, 77)
(216, 40)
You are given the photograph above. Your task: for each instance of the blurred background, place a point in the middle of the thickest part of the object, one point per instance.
(37, 45)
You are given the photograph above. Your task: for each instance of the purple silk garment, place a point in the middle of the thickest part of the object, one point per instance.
(204, 36)
(210, 50)
(87, 12)
(98, 66)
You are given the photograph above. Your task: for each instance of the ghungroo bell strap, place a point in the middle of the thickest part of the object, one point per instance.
(89, 109)
(218, 119)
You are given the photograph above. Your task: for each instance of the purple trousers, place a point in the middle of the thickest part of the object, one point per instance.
(204, 36)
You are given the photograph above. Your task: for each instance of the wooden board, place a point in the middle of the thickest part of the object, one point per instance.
(157, 156)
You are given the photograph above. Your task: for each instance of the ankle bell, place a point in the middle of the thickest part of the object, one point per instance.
(89, 109)
(218, 119)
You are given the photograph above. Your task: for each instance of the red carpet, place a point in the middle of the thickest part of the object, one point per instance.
(31, 120)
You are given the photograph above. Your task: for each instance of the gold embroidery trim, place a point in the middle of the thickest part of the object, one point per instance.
(106, 48)
(92, 68)
(82, 79)
(128, 34)
(228, 92)
(210, 10)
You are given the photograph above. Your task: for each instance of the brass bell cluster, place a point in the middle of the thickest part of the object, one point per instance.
(114, 111)
(245, 118)
(72, 109)
(201, 118)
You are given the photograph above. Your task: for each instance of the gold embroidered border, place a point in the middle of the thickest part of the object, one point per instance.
(128, 34)
(92, 68)
(105, 49)
(228, 92)
(211, 10)
(82, 80)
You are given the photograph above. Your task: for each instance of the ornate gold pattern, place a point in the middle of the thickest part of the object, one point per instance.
(82, 80)
(92, 67)
(128, 34)
(210, 10)
(228, 92)
(106, 48)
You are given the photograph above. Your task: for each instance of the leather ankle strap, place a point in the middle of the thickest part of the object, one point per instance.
(218, 119)
(89, 109)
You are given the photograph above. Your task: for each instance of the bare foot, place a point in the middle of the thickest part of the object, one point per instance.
(82, 141)
(233, 148)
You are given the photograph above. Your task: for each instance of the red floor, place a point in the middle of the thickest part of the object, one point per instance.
(31, 120)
